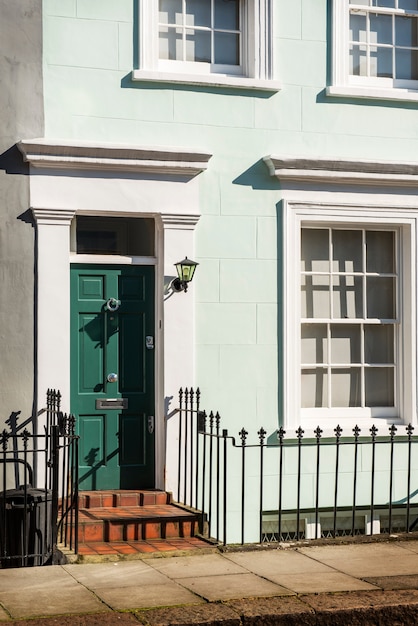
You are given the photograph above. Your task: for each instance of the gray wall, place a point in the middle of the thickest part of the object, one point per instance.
(21, 117)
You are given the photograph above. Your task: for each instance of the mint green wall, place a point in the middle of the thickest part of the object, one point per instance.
(88, 57)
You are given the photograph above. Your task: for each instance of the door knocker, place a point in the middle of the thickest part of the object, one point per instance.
(112, 305)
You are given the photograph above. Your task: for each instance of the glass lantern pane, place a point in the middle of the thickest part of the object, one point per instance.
(198, 13)
(227, 14)
(378, 344)
(381, 29)
(170, 44)
(314, 388)
(198, 47)
(315, 299)
(227, 48)
(347, 251)
(406, 64)
(379, 383)
(347, 297)
(345, 344)
(358, 61)
(380, 252)
(381, 297)
(170, 11)
(315, 250)
(314, 343)
(346, 387)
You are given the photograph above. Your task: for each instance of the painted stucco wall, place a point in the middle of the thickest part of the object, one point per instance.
(21, 115)
(90, 51)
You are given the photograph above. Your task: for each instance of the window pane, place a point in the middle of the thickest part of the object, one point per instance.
(380, 297)
(390, 4)
(170, 11)
(314, 343)
(380, 28)
(345, 344)
(408, 5)
(380, 252)
(227, 49)
(379, 383)
(315, 300)
(358, 61)
(198, 46)
(365, 2)
(378, 344)
(347, 297)
(381, 62)
(406, 64)
(315, 250)
(347, 251)
(227, 14)
(198, 13)
(345, 387)
(406, 31)
(358, 27)
(314, 388)
(170, 44)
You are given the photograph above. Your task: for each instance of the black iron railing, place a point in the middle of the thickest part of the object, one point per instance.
(282, 486)
(38, 486)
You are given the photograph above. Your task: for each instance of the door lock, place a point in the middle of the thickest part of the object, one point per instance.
(149, 342)
(112, 378)
(150, 424)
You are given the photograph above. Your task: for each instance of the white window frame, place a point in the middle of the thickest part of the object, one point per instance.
(346, 85)
(297, 215)
(256, 71)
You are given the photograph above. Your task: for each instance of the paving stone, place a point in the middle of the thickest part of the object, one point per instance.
(394, 582)
(197, 565)
(231, 586)
(147, 596)
(115, 575)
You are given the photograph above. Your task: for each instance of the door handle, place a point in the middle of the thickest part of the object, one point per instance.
(150, 424)
(112, 378)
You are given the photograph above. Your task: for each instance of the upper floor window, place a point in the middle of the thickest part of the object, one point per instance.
(201, 31)
(375, 48)
(221, 42)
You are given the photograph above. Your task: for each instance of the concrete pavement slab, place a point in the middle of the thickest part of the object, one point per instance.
(118, 574)
(199, 565)
(394, 582)
(365, 560)
(27, 577)
(232, 586)
(41, 601)
(3, 615)
(297, 572)
(147, 596)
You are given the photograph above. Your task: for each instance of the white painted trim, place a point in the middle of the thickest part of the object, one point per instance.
(345, 85)
(257, 52)
(173, 201)
(113, 157)
(360, 171)
(206, 80)
(112, 259)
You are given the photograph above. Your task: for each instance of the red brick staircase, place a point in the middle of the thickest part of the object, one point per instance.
(132, 523)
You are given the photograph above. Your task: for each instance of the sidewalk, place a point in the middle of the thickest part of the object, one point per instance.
(358, 583)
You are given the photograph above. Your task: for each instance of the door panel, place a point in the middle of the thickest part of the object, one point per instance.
(116, 446)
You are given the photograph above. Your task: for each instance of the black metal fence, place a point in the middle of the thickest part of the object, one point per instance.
(282, 486)
(38, 486)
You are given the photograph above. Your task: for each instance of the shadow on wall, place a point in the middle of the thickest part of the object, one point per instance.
(11, 162)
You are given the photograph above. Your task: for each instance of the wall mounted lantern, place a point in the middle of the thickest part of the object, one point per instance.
(185, 271)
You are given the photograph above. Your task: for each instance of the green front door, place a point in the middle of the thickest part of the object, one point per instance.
(112, 374)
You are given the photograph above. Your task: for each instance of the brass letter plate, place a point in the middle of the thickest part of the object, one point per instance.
(112, 403)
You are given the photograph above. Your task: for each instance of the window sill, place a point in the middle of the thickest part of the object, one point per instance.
(354, 91)
(209, 80)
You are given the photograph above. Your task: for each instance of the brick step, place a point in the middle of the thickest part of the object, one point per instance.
(135, 523)
(122, 497)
